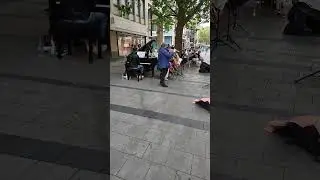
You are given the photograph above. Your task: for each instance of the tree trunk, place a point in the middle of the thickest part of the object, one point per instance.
(159, 35)
(178, 37)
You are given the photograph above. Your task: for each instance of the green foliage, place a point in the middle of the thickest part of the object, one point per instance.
(190, 13)
(203, 35)
(182, 13)
(162, 14)
(125, 10)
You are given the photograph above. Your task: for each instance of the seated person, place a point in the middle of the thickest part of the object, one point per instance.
(83, 12)
(133, 62)
(100, 21)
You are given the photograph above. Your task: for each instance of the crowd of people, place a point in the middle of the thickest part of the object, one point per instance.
(168, 61)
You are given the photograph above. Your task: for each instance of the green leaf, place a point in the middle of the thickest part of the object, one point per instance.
(203, 35)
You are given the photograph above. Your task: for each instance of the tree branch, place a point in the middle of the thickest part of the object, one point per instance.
(173, 11)
(195, 10)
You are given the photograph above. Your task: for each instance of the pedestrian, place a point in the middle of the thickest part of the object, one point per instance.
(164, 56)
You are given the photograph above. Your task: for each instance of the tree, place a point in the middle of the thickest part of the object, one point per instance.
(183, 13)
(204, 35)
(163, 19)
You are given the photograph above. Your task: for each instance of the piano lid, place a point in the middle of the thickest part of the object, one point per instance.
(147, 47)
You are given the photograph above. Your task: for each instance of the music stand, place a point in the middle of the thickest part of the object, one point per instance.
(236, 25)
(306, 76)
(217, 40)
(228, 35)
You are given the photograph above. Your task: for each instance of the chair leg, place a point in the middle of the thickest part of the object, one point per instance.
(90, 51)
(69, 47)
(99, 49)
(59, 50)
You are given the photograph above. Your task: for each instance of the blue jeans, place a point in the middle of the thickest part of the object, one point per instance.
(141, 68)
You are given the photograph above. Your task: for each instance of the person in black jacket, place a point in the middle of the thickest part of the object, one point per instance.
(133, 62)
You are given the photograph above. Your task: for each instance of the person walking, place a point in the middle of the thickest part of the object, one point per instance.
(164, 56)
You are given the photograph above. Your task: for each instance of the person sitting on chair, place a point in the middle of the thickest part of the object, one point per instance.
(100, 21)
(133, 62)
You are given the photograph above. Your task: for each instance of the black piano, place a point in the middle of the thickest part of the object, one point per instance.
(102, 6)
(148, 62)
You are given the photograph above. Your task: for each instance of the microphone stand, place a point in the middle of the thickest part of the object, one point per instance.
(217, 40)
(307, 76)
(236, 25)
(228, 35)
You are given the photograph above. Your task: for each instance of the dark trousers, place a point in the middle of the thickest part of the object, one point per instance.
(163, 74)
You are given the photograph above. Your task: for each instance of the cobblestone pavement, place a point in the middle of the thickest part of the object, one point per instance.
(253, 86)
(164, 132)
(54, 113)
(59, 129)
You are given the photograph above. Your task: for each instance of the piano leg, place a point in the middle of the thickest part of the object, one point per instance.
(152, 70)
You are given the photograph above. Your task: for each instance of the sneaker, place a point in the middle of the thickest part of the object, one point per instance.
(163, 85)
(104, 48)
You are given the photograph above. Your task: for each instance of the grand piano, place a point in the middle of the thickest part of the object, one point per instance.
(146, 59)
(102, 6)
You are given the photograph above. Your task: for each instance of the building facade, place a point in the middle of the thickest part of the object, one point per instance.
(168, 37)
(129, 25)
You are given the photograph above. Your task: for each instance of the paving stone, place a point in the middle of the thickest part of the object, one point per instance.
(136, 147)
(119, 116)
(156, 153)
(121, 127)
(154, 136)
(117, 160)
(115, 178)
(158, 172)
(294, 173)
(171, 139)
(134, 169)
(208, 152)
(223, 165)
(202, 135)
(137, 120)
(47, 171)
(82, 174)
(180, 161)
(193, 146)
(137, 132)
(178, 136)
(189, 110)
(253, 170)
(184, 176)
(276, 152)
(201, 167)
(10, 163)
(118, 141)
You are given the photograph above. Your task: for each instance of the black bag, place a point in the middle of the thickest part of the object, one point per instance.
(204, 68)
(303, 20)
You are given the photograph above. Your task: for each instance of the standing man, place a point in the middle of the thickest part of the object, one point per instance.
(164, 56)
